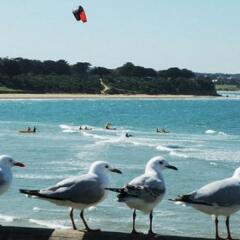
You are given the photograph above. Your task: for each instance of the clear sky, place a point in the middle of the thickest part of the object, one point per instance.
(201, 35)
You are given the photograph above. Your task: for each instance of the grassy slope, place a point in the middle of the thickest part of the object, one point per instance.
(227, 87)
(9, 90)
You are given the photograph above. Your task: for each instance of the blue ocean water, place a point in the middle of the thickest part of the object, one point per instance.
(203, 143)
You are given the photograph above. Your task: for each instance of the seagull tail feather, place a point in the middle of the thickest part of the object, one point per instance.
(187, 199)
(118, 190)
(183, 198)
(30, 192)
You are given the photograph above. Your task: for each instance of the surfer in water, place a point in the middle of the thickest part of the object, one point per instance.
(109, 127)
(163, 130)
(128, 135)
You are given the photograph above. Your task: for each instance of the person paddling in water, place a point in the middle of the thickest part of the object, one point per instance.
(109, 127)
(163, 130)
(128, 135)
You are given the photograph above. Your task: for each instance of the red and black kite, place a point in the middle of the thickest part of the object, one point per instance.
(80, 15)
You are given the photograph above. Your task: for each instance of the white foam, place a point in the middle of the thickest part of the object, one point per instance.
(36, 176)
(217, 155)
(161, 213)
(7, 218)
(87, 134)
(172, 149)
(122, 139)
(64, 126)
(177, 154)
(112, 140)
(49, 224)
(222, 133)
(213, 163)
(163, 148)
(68, 128)
(69, 131)
(38, 209)
(142, 142)
(210, 131)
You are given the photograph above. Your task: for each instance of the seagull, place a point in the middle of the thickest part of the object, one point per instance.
(79, 192)
(6, 163)
(145, 191)
(218, 198)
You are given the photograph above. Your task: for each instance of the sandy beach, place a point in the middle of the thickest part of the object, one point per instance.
(96, 96)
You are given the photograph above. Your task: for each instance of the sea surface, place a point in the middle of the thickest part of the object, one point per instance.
(204, 143)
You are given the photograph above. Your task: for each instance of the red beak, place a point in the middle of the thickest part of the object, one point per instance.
(19, 164)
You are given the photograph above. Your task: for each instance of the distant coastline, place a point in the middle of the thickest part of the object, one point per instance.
(97, 96)
(19, 75)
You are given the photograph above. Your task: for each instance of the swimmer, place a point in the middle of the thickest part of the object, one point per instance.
(128, 135)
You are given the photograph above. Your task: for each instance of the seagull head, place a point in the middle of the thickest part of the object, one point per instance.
(8, 161)
(101, 167)
(158, 164)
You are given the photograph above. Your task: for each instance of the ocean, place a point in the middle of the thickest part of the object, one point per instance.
(203, 144)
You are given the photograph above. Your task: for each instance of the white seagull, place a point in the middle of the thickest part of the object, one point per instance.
(218, 198)
(145, 191)
(78, 192)
(6, 163)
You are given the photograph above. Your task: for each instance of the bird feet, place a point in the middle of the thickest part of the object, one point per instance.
(74, 228)
(91, 230)
(134, 232)
(219, 238)
(152, 234)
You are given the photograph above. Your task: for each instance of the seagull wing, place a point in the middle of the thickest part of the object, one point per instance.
(85, 189)
(223, 193)
(144, 187)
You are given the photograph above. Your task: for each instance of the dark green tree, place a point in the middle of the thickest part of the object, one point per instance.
(101, 71)
(80, 68)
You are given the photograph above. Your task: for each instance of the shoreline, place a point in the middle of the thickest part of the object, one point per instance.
(6, 96)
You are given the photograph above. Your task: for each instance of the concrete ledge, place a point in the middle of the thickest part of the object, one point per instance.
(22, 233)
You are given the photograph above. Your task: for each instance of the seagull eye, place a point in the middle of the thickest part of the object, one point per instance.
(161, 162)
(106, 166)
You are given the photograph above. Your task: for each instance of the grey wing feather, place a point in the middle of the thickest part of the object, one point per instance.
(144, 187)
(84, 189)
(64, 183)
(223, 193)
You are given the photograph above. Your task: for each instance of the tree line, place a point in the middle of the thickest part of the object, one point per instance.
(35, 76)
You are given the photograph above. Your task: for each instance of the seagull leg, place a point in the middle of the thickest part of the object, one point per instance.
(228, 229)
(87, 228)
(216, 227)
(150, 229)
(84, 221)
(134, 218)
(72, 220)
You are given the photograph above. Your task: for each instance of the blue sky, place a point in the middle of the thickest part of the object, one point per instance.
(201, 35)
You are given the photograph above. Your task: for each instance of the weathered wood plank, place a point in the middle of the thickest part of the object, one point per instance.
(23, 233)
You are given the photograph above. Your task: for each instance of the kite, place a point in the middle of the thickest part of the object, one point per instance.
(80, 14)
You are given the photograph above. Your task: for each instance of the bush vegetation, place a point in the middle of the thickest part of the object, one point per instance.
(34, 76)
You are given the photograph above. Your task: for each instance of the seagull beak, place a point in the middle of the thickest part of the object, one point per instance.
(172, 167)
(19, 164)
(115, 170)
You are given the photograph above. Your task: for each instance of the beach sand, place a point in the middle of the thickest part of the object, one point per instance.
(95, 96)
